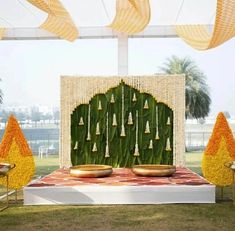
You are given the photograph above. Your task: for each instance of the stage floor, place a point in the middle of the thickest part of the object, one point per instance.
(122, 187)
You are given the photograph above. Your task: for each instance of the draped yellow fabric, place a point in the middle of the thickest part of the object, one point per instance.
(58, 21)
(198, 36)
(132, 16)
(2, 32)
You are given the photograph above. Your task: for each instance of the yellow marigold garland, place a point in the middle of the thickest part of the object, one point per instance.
(220, 149)
(14, 149)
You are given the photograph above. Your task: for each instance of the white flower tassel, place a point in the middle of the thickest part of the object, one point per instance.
(134, 99)
(130, 120)
(151, 144)
(81, 122)
(94, 149)
(76, 146)
(157, 132)
(146, 105)
(97, 132)
(114, 120)
(168, 145)
(147, 129)
(123, 133)
(89, 124)
(107, 137)
(99, 106)
(112, 99)
(136, 153)
(168, 121)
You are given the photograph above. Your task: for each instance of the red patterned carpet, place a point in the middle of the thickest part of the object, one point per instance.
(120, 176)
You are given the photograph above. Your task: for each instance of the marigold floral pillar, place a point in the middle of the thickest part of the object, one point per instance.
(220, 150)
(14, 149)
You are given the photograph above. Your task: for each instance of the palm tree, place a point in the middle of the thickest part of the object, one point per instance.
(196, 90)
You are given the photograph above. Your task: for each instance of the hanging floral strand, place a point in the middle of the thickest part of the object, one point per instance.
(134, 99)
(146, 105)
(81, 122)
(147, 128)
(114, 120)
(136, 153)
(89, 124)
(123, 133)
(112, 99)
(94, 149)
(168, 144)
(157, 132)
(168, 121)
(130, 120)
(107, 137)
(76, 146)
(97, 132)
(151, 144)
(99, 106)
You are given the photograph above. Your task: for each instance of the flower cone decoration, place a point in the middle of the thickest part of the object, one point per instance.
(134, 99)
(14, 149)
(112, 99)
(220, 149)
(146, 105)
(94, 149)
(168, 121)
(76, 146)
(99, 106)
(114, 120)
(151, 144)
(97, 132)
(130, 120)
(147, 128)
(81, 122)
(168, 145)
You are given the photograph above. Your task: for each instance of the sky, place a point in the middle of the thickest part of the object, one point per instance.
(31, 70)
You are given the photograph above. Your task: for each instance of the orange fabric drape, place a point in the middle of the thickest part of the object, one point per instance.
(199, 37)
(132, 16)
(59, 21)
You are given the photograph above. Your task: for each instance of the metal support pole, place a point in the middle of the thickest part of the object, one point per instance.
(122, 54)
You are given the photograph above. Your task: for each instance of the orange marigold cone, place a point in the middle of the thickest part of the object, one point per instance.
(14, 149)
(220, 150)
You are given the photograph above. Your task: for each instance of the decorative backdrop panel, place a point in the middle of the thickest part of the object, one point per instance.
(122, 120)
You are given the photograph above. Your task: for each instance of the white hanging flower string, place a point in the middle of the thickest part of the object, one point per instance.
(114, 120)
(123, 133)
(99, 106)
(136, 153)
(146, 105)
(147, 128)
(76, 146)
(94, 149)
(151, 144)
(81, 122)
(97, 132)
(107, 136)
(157, 131)
(112, 99)
(130, 120)
(168, 144)
(89, 124)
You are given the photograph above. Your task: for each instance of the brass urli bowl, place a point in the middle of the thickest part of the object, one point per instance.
(91, 170)
(153, 170)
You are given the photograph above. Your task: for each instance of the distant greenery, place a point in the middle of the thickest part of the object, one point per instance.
(196, 90)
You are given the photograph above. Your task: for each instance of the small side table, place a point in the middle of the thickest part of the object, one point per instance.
(5, 168)
(231, 166)
(7, 192)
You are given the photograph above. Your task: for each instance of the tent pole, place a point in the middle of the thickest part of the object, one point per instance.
(122, 54)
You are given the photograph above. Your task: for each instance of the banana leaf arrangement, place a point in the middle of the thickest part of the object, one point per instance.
(122, 114)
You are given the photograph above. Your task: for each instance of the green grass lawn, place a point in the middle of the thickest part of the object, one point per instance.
(219, 216)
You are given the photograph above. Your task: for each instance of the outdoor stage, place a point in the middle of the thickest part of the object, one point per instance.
(122, 187)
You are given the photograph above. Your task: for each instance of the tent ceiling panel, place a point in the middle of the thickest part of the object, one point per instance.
(89, 13)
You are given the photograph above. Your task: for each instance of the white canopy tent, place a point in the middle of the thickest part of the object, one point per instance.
(91, 17)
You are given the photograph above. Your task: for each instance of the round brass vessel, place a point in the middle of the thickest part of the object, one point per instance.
(91, 170)
(154, 170)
